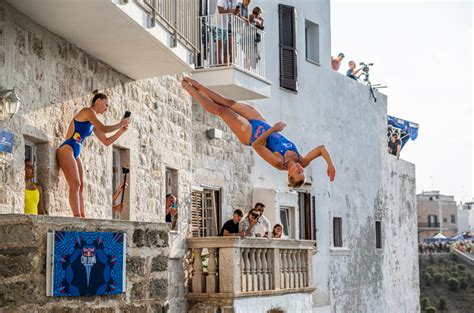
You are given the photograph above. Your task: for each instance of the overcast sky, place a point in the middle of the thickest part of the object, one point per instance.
(423, 51)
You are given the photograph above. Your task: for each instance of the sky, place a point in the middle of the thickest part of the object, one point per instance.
(422, 50)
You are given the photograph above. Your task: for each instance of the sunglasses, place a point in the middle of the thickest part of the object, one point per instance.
(255, 215)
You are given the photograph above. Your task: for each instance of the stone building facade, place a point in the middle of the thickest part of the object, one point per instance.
(55, 79)
(167, 149)
(437, 213)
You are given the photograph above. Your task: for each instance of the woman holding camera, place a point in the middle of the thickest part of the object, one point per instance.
(84, 123)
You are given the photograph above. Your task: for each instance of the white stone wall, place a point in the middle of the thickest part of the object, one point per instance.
(286, 303)
(333, 110)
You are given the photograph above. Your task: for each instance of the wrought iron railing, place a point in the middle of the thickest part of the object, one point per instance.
(228, 40)
(178, 16)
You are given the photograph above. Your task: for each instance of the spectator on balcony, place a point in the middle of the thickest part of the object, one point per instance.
(243, 7)
(256, 18)
(231, 227)
(277, 232)
(352, 71)
(336, 62)
(84, 123)
(394, 145)
(248, 225)
(171, 211)
(223, 36)
(263, 226)
(34, 203)
(252, 129)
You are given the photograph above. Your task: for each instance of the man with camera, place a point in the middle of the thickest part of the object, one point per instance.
(352, 71)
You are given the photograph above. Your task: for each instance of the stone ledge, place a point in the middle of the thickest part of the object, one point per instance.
(229, 295)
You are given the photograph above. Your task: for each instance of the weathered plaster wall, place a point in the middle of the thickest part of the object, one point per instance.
(338, 112)
(286, 303)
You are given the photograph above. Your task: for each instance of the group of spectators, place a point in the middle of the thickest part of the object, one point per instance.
(444, 247)
(223, 38)
(434, 247)
(352, 72)
(252, 224)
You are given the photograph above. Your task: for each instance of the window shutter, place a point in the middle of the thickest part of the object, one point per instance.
(288, 61)
(196, 213)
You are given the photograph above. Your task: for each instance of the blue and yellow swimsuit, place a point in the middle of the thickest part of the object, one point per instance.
(82, 130)
(276, 142)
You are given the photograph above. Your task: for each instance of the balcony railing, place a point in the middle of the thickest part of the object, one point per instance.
(228, 40)
(428, 225)
(237, 267)
(178, 16)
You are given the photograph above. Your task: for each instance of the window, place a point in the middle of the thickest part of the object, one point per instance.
(288, 57)
(171, 185)
(433, 220)
(445, 220)
(453, 219)
(312, 41)
(120, 173)
(378, 234)
(337, 231)
(287, 221)
(205, 213)
(307, 216)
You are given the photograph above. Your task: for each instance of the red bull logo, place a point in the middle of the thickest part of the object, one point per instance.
(259, 131)
(77, 137)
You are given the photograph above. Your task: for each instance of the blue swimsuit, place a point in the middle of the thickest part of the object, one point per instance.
(276, 142)
(82, 130)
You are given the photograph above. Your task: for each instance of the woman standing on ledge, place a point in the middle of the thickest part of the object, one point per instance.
(252, 129)
(84, 123)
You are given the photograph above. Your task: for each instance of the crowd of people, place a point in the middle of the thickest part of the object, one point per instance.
(252, 224)
(224, 38)
(445, 247)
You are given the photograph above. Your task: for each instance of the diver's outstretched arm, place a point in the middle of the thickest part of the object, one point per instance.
(316, 153)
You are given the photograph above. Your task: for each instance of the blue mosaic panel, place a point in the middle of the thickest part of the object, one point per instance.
(88, 263)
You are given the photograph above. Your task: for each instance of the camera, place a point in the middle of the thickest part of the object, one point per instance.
(125, 170)
(365, 66)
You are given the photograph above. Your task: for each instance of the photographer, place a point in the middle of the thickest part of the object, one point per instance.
(352, 71)
(248, 224)
(171, 211)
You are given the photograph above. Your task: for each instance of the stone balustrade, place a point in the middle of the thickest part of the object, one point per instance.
(237, 267)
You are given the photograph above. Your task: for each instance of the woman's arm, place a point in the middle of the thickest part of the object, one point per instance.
(90, 115)
(317, 152)
(41, 207)
(118, 192)
(109, 140)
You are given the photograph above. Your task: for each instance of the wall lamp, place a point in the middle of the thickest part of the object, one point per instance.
(9, 103)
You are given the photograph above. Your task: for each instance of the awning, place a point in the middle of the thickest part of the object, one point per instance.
(405, 129)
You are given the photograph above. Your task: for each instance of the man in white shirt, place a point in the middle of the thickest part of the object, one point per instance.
(263, 226)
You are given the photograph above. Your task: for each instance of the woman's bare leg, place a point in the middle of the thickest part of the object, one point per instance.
(81, 188)
(245, 110)
(69, 166)
(239, 125)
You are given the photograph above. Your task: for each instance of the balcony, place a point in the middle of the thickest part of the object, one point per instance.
(428, 225)
(230, 268)
(139, 38)
(232, 58)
